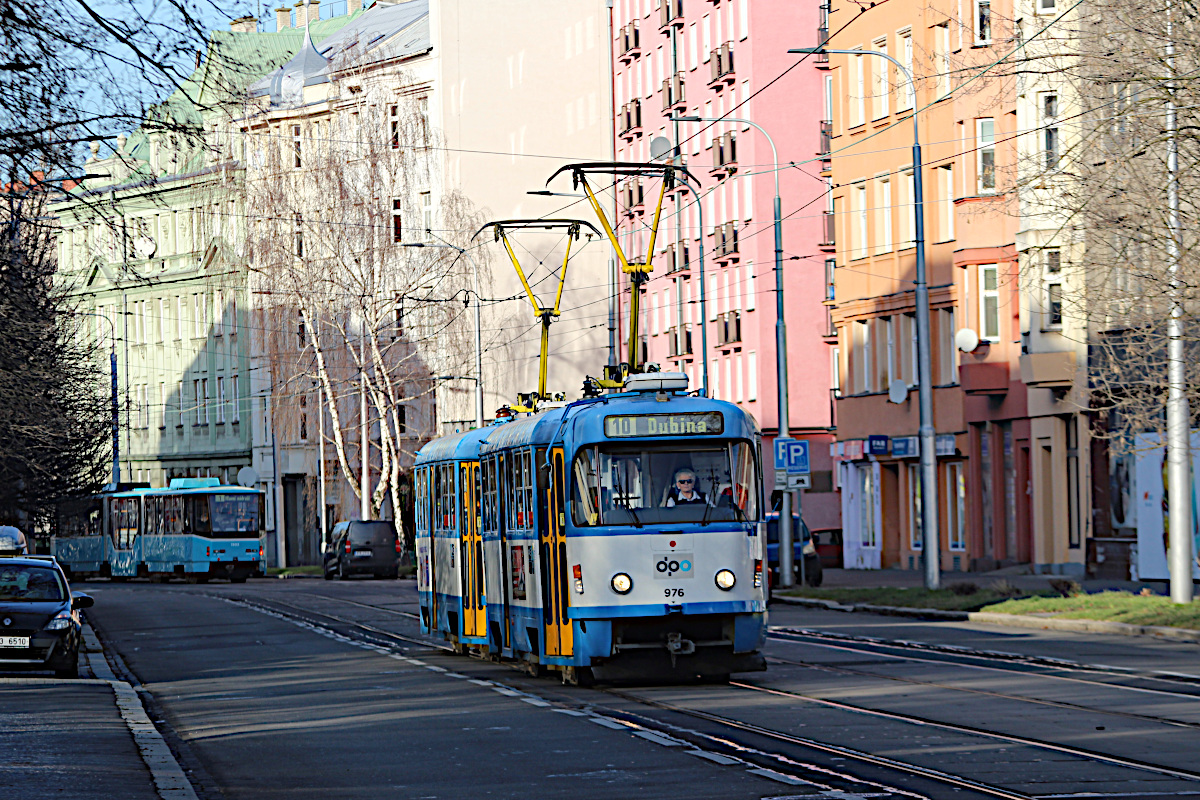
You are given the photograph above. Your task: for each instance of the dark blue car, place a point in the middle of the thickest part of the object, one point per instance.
(802, 550)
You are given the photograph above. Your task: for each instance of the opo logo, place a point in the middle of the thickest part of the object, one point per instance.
(669, 566)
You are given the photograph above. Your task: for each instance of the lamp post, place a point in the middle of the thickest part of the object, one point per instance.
(928, 483)
(478, 329)
(781, 376)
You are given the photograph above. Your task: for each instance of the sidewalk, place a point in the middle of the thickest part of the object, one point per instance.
(85, 738)
(1017, 576)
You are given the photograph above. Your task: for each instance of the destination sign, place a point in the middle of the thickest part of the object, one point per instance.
(708, 423)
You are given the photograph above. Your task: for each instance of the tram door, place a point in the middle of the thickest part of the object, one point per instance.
(559, 637)
(474, 608)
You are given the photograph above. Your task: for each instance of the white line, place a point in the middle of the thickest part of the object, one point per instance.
(716, 758)
(533, 701)
(169, 778)
(658, 738)
(791, 780)
(608, 723)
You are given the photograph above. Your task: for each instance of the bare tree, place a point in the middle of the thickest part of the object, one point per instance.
(348, 308)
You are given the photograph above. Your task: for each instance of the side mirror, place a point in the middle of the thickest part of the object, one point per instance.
(82, 601)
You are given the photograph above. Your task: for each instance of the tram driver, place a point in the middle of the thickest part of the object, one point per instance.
(684, 491)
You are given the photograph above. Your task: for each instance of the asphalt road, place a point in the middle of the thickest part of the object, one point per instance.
(304, 688)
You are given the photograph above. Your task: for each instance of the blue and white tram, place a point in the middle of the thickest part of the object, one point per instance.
(617, 537)
(196, 529)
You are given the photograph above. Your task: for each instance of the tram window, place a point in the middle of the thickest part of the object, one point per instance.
(640, 485)
(234, 513)
(201, 519)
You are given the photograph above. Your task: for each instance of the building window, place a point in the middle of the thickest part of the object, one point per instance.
(196, 394)
(204, 401)
(956, 506)
(199, 314)
(859, 239)
(947, 353)
(296, 146)
(983, 21)
(394, 126)
(401, 419)
(860, 92)
(907, 209)
(942, 58)
(881, 81)
(870, 535)
(427, 213)
(916, 535)
(237, 400)
(1054, 305)
(162, 403)
(908, 341)
(946, 206)
(989, 302)
(751, 376)
(865, 367)
(423, 117)
(298, 237)
(233, 320)
(303, 418)
(830, 279)
(301, 330)
(835, 367)
(1046, 6)
(180, 313)
(182, 409)
(889, 333)
(906, 58)
(883, 218)
(985, 144)
(397, 221)
(220, 399)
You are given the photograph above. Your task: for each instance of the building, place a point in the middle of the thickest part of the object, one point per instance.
(728, 59)
(968, 124)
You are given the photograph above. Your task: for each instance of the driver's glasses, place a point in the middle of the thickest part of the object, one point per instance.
(685, 481)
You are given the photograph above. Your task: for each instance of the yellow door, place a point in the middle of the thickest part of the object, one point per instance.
(474, 608)
(559, 638)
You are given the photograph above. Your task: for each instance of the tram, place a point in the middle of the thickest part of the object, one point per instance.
(195, 529)
(616, 537)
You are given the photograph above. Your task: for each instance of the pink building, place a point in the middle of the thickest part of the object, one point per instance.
(725, 58)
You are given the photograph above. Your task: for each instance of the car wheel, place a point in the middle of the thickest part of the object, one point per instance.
(70, 671)
(341, 570)
(814, 574)
(327, 573)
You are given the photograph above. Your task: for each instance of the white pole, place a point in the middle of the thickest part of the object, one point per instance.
(364, 455)
(1179, 478)
(321, 465)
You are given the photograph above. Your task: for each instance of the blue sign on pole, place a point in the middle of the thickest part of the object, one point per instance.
(797, 457)
(781, 453)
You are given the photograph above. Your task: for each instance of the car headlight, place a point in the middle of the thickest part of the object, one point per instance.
(59, 623)
(725, 579)
(621, 583)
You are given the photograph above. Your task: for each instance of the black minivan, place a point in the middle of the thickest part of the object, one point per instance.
(362, 547)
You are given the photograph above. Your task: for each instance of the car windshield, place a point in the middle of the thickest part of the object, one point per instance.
(19, 582)
(653, 484)
(235, 513)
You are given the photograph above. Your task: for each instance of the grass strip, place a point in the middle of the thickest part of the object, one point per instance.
(965, 597)
(1134, 609)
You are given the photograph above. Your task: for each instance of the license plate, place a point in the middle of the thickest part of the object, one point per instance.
(358, 553)
(14, 641)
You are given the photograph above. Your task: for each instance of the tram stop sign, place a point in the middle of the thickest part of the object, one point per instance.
(791, 463)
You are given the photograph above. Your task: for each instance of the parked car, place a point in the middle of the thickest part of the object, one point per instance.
(803, 550)
(829, 547)
(363, 547)
(40, 627)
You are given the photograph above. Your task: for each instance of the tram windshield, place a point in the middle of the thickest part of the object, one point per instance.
(235, 513)
(665, 484)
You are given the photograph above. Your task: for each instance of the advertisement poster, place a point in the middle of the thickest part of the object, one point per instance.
(1153, 531)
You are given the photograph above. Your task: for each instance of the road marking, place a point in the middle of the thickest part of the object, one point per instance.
(533, 701)
(608, 723)
(771, 774)
(169, 779)
(658, 738)
(716, 758)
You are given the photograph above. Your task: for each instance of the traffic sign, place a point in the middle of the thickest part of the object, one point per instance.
(797, 457)
(799, 482)
(781, 453)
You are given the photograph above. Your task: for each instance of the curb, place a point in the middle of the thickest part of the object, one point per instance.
(1008, 620)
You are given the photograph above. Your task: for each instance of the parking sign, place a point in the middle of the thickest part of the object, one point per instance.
(797, 457)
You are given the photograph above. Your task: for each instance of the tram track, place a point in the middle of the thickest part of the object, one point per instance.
(844, 670)
(769, 760)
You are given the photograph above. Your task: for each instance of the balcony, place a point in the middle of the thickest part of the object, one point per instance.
(629, 43)
(720, 64)
(679, 345)
(1049, 370)
(670, 13)
(724, 151)
(677, 257)
(725, 242)
(822, 32)
(729, 328)
(632, 197)
(673, 97)
(828, 238)
(630, 119)
(984, 378)
(826, 144)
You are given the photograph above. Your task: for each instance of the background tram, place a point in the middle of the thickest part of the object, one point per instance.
(196, 529)
(617, 537)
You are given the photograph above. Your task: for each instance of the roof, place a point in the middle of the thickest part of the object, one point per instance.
(459, 447)
(385, 32)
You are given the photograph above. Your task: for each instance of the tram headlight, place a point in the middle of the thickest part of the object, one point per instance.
(621, 583)
(725, 579)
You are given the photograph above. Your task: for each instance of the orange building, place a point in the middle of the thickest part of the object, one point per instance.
(968, 123)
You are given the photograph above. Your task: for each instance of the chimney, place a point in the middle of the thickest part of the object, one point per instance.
(244, 25)
(353, 5)
(314, 11)
(283, 18)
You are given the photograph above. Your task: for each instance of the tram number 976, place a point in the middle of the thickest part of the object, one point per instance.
(672, 592)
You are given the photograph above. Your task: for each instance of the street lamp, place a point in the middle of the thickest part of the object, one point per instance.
(781, 376)
(478, 329)
(928, 483)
